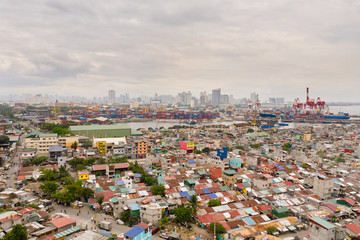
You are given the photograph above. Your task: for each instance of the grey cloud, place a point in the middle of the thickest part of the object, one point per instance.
(274, 47)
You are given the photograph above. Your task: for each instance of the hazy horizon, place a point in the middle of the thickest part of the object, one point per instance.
(275, 48)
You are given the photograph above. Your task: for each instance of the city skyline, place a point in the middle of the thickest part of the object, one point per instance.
(274, 49)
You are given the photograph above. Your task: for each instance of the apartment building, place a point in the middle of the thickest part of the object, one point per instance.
(41, 141)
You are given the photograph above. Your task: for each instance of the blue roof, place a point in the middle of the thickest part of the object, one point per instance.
(137, 175)
(119, 182)
(134, 206)
(249, 221)
(184, 194)
(191, 161)
(132, 233)
(105, 233)
(213, 195)
(206, 190)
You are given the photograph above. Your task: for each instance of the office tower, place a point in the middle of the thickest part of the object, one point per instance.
(216, 96)
(188, 98)
(111, 97)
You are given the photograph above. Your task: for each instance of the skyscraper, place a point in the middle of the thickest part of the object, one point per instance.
(216, 93)
(111, 97)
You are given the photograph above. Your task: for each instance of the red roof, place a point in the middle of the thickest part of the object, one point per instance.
(62, 222)
(209, 218)
(143, 225)
(348, 200)
(288, 183)
(354, 228)
(332, 207)
(26, 210)
(264, 208)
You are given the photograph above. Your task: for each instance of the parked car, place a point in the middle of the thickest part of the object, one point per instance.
(164, 236)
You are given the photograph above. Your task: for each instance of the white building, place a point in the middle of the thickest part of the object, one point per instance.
(152, 212)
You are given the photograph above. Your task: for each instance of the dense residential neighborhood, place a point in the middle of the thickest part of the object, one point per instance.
(68, 179)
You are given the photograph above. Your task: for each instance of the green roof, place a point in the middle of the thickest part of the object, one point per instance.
(124, 190)
(202, 172)
(224, 188)
(190, 181)
(323, 223)
(113, 188)
(281, 210)
(136, 133)
(230, 172)
(99, 127)
(36, 134)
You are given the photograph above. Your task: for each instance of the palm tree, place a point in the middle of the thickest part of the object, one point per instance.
(194, 204)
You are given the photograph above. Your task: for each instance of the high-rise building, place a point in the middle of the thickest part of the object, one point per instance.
(216, 93)
(111, 97)
(188, 98)
(203, 98)
(254, 97)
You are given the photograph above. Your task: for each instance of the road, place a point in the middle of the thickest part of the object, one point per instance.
(15, 164)
(83, 219)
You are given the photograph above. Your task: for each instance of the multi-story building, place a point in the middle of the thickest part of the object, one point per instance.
(152, 212)
(142, 148)
(323, 187)
(41, 141)
(216, 95)
(111, 97)
(229, 177)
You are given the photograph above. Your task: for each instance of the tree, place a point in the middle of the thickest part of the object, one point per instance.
(4, 140)
(49, 187)
(219, 228)
(149, 181)
(271, 229)
(49, 175)
(206, 150)
(214, 203)
(18, 232)
(163, 222)
(87, 193)
(100, 200)
(194, 204)
(182, 214)
(287, 147)
(250, 130)
(87, 143)
(158, 190)
(74, 145)
(60, 131)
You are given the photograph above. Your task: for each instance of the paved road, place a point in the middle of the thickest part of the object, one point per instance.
(15, 164)
(86, 214)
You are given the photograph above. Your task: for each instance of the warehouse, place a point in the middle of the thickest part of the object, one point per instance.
(102, 131)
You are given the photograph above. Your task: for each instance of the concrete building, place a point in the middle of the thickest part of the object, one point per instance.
(111, 97)
(102, 131)
(323, 187)
(229, 177)
(41, 141)
(216, 96)
(142, 148)
(323, 230)
(152, 212)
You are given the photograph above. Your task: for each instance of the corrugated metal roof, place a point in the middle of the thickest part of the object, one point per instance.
(132, 233)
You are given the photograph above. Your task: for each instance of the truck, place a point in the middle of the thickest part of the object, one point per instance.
(106, 225)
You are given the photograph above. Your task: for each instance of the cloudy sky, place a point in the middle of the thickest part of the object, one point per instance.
(86, 47)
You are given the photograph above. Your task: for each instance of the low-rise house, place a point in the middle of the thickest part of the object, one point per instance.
(62, 223)
(138, 233)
